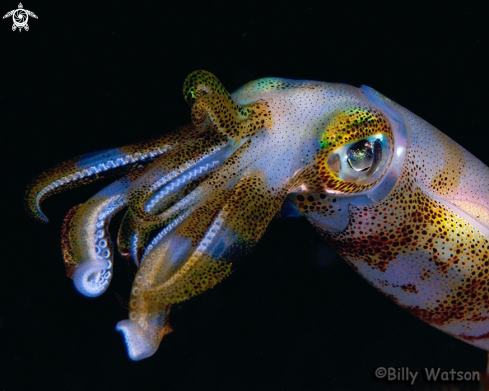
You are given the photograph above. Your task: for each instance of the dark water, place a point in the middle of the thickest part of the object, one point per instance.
(89, 76)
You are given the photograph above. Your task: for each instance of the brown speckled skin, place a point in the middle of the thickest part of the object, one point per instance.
(424, 245)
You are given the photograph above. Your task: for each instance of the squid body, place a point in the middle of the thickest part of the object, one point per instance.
(402, 203)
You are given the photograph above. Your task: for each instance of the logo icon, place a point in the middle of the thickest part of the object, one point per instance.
(20, 16)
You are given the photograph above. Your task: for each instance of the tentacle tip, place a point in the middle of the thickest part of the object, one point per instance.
(41, 217)
(36, 213)
(138, 344)
(92, 278)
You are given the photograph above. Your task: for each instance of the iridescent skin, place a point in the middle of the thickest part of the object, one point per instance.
(415, 223)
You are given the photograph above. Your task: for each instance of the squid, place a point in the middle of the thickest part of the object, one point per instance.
(402, 203)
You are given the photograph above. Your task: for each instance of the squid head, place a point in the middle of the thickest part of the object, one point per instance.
(403, 204)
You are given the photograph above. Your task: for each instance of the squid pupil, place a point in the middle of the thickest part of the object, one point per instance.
(362, 155)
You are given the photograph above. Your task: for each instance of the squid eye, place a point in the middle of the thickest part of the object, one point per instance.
(362, 161)
(363, 154)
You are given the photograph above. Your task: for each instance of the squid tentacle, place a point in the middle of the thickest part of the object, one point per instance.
(91, 167)
(191, 159)
(228, 131)
(196, 256)
(225, 117)
(201, 191)
(86, 244)
(134, 232)
(201, 243)
(150, 192)
(136, 228)
(228, 175)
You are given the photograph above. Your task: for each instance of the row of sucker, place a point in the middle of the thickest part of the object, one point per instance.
(134, 232)
(86, 243)
(171, 173)
(207, 165)
(91, 167)
(227, 176)
(177, 163)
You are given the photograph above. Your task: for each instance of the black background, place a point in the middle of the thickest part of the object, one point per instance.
(89, 76)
